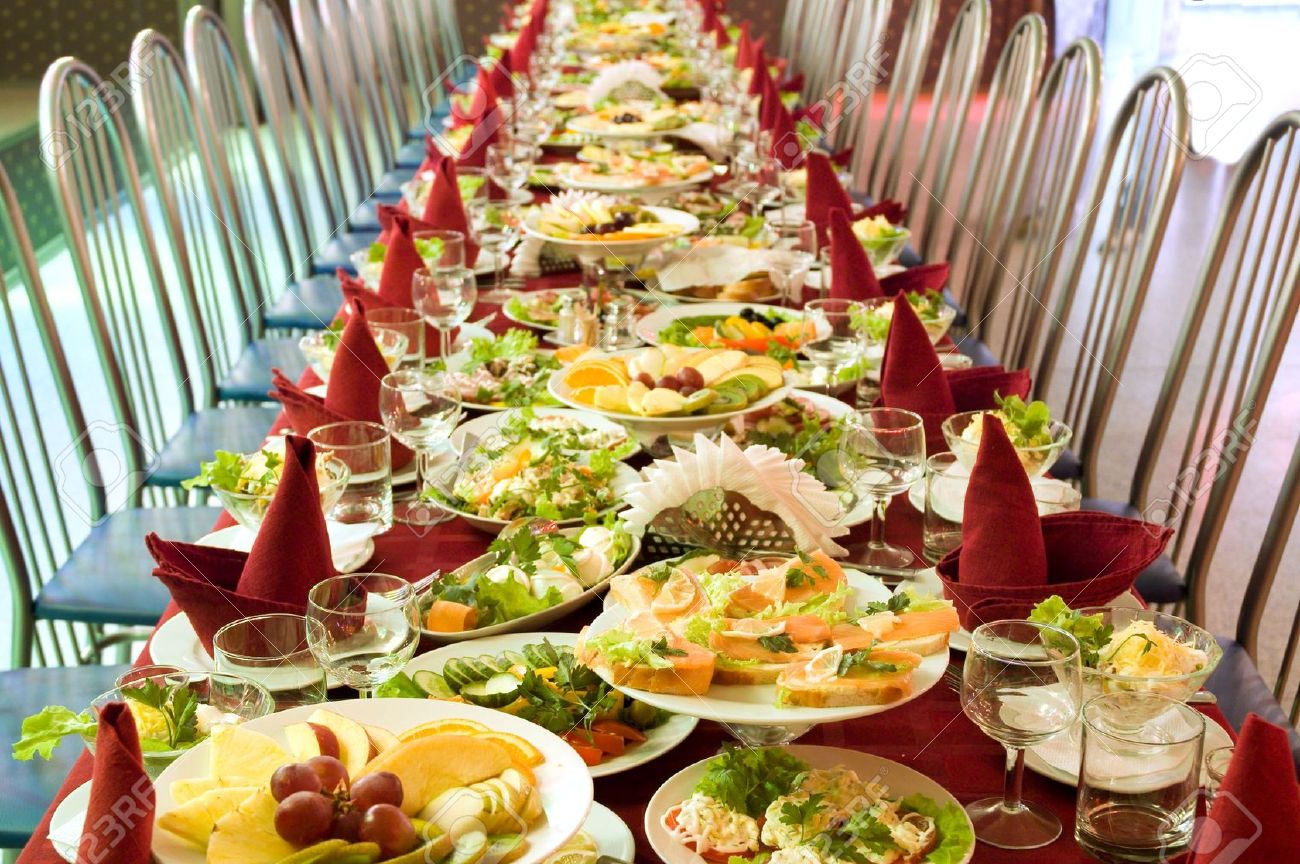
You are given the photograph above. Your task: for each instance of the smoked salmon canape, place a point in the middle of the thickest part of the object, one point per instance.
(836, 678)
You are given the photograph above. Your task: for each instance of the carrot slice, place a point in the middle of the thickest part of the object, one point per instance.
(447, 616)
(617, 727)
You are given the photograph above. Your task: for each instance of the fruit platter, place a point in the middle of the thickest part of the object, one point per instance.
(591, 225)
(391, 780)
(616, 172)
(746, 327)
(633, 120)
(536, 676)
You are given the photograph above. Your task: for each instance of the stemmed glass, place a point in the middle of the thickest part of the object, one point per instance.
(440, 248)
(363, 628)
(794, 250)
(881, 453)
(1021, 685)
(758, 178)
(419, 409)
(445, 298)
(495, 231)
(830, 338)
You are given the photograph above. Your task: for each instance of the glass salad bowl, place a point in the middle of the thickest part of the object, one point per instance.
(249, 508)
(319, 348)
(885, 249)
(879, 316)
(965, 443)
(157, 702)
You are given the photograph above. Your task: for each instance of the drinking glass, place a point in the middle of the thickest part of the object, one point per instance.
(440, 249)
(272, 650)
(792, 240)
(945, 496)
(1216, 768)
(419, 409)
(510, 162)
(363, 628)
(1021, 685)
(365, 448)
(407, 322)
(156, 670)
(758, 179)
(495, 230)
(830, 339)
(880, 454)
(445, 298)
(1138, 787)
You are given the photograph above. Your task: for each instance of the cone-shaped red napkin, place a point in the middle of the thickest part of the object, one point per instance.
(744, 48)
(793, 85)
(355, 292)
(1257, 807)
(487, 131)
(358, 369)
(500, 72)
(290, 555)
(889, 208)
(852, 277)
(446, 210)
(483, 98)
(121, 810)
(824, 194)
(305, 412)
(720, 37)
(761, 81)
(386, 212)
(400, 261)
(432, 153)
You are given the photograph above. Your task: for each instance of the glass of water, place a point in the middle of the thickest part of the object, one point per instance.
(420, 409)
(831, 340)
(363, 627)
(407, 322)
(1021, 685)
(1138, 786)
(880, 454)
(440, 248)
(367, 451)
(272, 650)
(945, 496)
(495, 230)
(445, 298)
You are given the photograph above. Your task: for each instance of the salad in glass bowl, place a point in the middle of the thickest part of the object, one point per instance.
(245, 483)
(320, 347)
(174, 711)
(1038, 439)
(935, 314)
(883, 241)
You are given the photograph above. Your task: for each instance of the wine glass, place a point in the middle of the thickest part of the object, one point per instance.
(830, 338)
(758, 178)
(793, 241)
(363, 628)
(419, 409)
(510, 162)
(881, 453)
(445, 298)
(1021, 685)
(440, 248)
(495, 231)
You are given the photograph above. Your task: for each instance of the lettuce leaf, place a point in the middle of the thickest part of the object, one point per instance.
(44, 731)
(697, 629)
(508, 600)
(954, 831)
(621, 646)
(747, 780)
(401, 686)
(828, 607)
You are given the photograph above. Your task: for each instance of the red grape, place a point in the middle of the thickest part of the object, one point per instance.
(646, 379)
(386, 825)
(347, 827)
(304, 818)
(686, 390)
(690, 377)
(331, 772)
(289, 779)
(381, 787)
(669, 382)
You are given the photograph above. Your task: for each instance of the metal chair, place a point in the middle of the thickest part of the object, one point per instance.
(159, 379)
(208, 238)
(845, 78)
(945, 127)
(377, 58)
(995, 157)
(879, 156)
(447, 26)
(1021, 238)
(80, 547)
(421, 64)
(280, 243)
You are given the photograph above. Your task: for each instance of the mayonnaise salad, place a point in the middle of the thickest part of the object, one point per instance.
(1142, 650)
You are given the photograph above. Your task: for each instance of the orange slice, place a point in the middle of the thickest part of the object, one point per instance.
(594, 374)
(453, 726)
(521, 750)
(569, 353)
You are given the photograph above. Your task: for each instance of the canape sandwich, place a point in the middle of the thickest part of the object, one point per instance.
(657, 664)
(908, 622)
(834, 678)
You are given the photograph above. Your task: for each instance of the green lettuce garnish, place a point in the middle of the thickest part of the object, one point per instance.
(43, 732)
(748, 780)
(621, 646)
(1091, 631)
(955, 836)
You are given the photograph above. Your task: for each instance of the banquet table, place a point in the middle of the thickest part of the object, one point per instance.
(930, 734)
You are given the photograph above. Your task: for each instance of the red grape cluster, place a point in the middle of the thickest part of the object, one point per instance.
(687, 380)
(318, 802)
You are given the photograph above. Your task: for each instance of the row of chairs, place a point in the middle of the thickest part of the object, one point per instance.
(1053, 242)
(207, 204)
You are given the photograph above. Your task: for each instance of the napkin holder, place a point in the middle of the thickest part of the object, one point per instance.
(721, 520)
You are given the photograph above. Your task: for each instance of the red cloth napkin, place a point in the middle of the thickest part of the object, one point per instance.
(290, 555)
(744, 48)
(119, 818)
(853, 277)
(892, 210)
(760, 83)
(487, 131)
(445, 209)
(1257, 807)
(720, 37)
(483, 98)
(825, 194)
(500, 72)
(401, 260)
(358, 368)
(355, 292)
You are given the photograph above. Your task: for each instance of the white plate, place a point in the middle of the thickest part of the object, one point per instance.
(351, 546)
(1051, 495)
(658, 741)
(648, 327)
(590, 250)
(630, 186)
(485, 425)
(900, 780)
(562, 780)
(612, 836)
(537, 619)
(615, 130)
(458, 360)
(755, 704)
(623, 478)
(69, 821)
(510, 315)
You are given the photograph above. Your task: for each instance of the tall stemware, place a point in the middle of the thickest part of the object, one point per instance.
(419, 409)
(363, 628)
(881, 453)
(445, 299)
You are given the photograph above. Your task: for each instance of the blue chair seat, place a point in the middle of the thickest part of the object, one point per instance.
(1068, 466)
(307, 305)
(411, 154)
(977, 351)
(250, 378)
(1241, 690)
(241, 428)
(389, 190)
(107, 580)
(1159, 583)
(28, 788)
(336, 252)
(365, 219)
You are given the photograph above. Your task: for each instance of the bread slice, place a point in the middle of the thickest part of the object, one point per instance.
(690, 674)
(755, 673)
(923, 645)
(796, 687)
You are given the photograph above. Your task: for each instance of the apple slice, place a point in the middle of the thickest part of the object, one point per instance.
(308, 740)
(241, 757)
(381, 740)
(354, 743)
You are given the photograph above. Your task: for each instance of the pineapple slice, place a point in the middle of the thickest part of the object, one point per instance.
(194, 820)
(187, 790)
(240, 757)
(247, 836)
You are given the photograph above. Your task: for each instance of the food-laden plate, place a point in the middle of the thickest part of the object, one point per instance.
(445, 771)
(539, 309)
(662, 733)
(633, 120)
(526, 582)
(884, 783)
(749, 327)
(569, 429)
(496, 373)
(590, 225)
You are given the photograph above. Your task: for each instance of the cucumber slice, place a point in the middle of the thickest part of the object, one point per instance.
(513, 658)
(479, 670)
(495, 664)
(536, 659)
(433, 684)
(457, 673)
(496, 692)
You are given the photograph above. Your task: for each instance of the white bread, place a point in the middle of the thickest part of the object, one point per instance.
(923, 645)
(839, 693)
(692, 681)
(757, 673)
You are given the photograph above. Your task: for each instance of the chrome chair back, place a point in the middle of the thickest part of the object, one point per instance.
(945, 127)
(447, 26)
(356, 68)
(1123, 218)
(417, 52)
(995, 157)
(880, 153)
(792, 23)
(378, 48)
(1026, 224)
(849, 73)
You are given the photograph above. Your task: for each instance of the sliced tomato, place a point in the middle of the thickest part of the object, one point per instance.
(589, 755)
(670, 822)
(631, 733)
(605, 742)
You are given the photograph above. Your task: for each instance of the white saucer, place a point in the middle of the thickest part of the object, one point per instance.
(351, 545)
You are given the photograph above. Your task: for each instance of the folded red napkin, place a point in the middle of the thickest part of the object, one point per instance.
(290, 555)
(853, 277)
(482, 99)
(1011, 559)
(400, 260)
(1257, 807)
(486, 132)
(119, 818)
(793, 85)
(824, 194)
(501, 74)
(355, 292)
(720, 37)
(892, 210)
(445, 209)
(358, 368)
(744, 48)
(761, 81)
